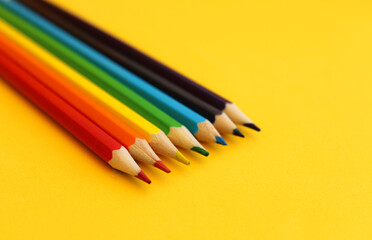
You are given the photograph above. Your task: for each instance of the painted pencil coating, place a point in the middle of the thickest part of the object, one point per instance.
(98, 76)
(136, 60)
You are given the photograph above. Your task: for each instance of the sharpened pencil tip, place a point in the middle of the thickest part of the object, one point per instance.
(141, 175)
(161, 166)
(200, 150)
(252, 126)
(236, 132)
(182, 158)
(220, 140)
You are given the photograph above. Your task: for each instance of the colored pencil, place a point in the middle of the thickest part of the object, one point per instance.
(192, 120)
(131, 140)
(68, 117)
(156, 138)
(170, 126)
(82, 30)
(136, 60)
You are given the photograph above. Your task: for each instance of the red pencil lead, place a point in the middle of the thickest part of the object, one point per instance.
(161, 166)
(141, 175)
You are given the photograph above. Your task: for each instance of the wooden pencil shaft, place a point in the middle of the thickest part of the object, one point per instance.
(81, 30)
(102, 79)
(150, 63)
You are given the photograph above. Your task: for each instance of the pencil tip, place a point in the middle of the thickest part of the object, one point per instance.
(200, 150)
(252, 126)
(236, 132)
(220, 140)
(182, 158)
(161, 166)
(141, 175)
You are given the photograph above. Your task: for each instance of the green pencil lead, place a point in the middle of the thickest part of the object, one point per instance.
(200, 150)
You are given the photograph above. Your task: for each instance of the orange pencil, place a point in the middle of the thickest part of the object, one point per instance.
(133, 141)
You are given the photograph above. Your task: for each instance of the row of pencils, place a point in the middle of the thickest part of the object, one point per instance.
(122, 104)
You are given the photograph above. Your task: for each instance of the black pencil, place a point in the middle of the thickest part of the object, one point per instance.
(89, 34)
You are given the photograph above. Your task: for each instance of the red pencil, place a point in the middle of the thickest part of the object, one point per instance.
(72, 120)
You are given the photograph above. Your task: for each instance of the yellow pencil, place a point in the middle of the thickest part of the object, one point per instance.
(155, 137)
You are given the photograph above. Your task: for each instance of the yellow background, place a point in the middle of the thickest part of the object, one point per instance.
(301, 70)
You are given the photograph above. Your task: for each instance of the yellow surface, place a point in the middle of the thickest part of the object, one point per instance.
(301, 71)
